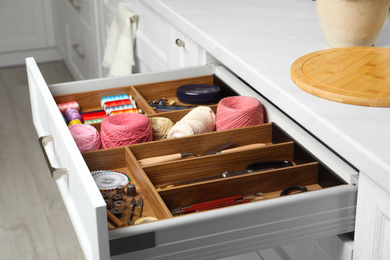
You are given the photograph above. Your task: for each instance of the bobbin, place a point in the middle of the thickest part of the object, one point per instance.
(117, 212)
(119, 204)
(116, 197)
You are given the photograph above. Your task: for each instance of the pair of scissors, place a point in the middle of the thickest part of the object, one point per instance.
(135, 206)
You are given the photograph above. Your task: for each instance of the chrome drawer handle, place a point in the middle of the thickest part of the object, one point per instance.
(56, 173)
(180, 43)
(78, 52)
(75, 6)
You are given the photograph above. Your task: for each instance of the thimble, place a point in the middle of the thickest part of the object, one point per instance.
(131, 192)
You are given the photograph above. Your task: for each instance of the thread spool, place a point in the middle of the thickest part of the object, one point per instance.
(199, 120)
(117, 197)
(125, 129)
(73, 114)
(86, 137)
(94, 115)
(238, 111)
(160, 127)
(75, 122)
(64, 106)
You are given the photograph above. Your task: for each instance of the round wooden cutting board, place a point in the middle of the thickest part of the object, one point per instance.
(353, 75)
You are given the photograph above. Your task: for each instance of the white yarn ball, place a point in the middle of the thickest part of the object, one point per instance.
(199, 120)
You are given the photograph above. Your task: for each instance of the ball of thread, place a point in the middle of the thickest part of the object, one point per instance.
(199, 120)
(86, 137)
(238, 111)
(160, 127)
(125, 129)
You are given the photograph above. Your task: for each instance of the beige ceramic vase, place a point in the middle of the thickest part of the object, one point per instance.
(347, 23)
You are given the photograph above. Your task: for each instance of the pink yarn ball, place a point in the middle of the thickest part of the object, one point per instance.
(238, 111)
(125, 129)
(86, 137)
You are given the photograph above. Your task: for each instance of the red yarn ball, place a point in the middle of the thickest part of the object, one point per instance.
(125, 129)
(238, 111)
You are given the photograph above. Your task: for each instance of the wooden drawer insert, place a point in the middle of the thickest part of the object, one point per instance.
(307, 170)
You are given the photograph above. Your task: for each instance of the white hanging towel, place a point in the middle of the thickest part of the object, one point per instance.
(119, 51)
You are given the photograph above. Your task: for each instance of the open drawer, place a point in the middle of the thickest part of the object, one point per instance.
(328, 208)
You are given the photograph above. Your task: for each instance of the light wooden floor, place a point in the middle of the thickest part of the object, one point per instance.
(34, 223)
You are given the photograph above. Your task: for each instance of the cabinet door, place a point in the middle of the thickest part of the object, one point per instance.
(372, 235)
(23, 25)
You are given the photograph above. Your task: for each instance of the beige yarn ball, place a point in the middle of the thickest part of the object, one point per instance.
(160, 127)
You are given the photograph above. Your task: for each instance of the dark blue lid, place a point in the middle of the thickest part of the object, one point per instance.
(198, 94)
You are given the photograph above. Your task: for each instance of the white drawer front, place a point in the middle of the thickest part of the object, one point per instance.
(84, 203)
(208, 235)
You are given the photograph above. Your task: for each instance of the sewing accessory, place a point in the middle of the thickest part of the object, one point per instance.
(199, 120)
(145, 220)
(130, 110)
(72, 114)
(294, 188)
(113, 216)
(94, 115)
(168, 108)
(125, 129)
(238, 111)
(105, 194)
(117, 212)
(131, 191)
(117, 108)
(120, 189)
(109, 180)
(214, 204)
(251, 168)
(177, 156)
(86, 137)
(74, 122)
(131, 211)
(160, 127)
(108, 203)
(93, 121)
(117, 197)
(113, 98)
(71, 104)
(116, 103)
(198, 94)
(139, 207)
(119, 204)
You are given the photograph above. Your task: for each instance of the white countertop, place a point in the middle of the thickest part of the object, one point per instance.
(259, 40)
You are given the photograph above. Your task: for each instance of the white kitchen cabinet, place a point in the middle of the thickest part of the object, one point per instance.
(373, 221)
(208, 235)
(78, 37)
(159, 44)
(26, 30)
